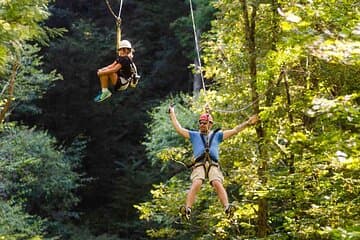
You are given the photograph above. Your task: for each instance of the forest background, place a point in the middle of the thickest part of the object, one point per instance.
(74, 169)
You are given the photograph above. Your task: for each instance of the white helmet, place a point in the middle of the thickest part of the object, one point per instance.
(125, 44)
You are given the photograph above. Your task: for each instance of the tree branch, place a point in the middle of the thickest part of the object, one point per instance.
(10, 91)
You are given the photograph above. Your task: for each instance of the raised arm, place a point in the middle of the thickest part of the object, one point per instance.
(179, 129)
(229, 133)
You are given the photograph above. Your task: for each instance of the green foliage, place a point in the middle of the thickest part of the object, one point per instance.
(329, 30)
(183, 26)
(162, 142)
(163, 218)
(72, 232)
(325, 160)
(115, 159)
(306, 76)
(31, 81)
(20, 21)
(34, 172)
(308, 83)
(15, 224)
(37, 178)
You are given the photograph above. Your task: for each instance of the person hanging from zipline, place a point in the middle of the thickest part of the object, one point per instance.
(205, 145)
(121, 74)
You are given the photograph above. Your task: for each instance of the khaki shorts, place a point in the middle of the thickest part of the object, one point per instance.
(213, 174)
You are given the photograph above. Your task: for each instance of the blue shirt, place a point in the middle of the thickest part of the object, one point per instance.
(198, 145)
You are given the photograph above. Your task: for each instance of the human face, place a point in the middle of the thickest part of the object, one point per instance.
(123, 52)
(204, 126)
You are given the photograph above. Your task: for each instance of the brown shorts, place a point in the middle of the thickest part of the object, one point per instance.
(214, 173)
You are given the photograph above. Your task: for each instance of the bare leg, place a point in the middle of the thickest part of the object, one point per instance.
(194, 189)
(221, 192)
(104, 81)
(113, 78)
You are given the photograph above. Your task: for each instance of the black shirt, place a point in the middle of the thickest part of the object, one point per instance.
(125, 70)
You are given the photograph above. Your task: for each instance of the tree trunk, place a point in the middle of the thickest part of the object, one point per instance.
(250, 23)
(291, 159)
(10, 93)
(275, 29)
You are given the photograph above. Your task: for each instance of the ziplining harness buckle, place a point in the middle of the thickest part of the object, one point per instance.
(206, 162)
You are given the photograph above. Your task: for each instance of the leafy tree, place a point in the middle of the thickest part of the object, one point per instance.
(188, 31)
(280, 75)
(183, 26)
(162, 129)
(165, 146)
(37, 175)
(278, 58)
(18, 25)
(114, 158)
(29, 81)
(38, 178)
(17, 224)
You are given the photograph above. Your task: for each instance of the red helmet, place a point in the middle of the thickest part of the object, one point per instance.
(206, 117)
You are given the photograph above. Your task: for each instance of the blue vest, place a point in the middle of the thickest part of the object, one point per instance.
(199, 147)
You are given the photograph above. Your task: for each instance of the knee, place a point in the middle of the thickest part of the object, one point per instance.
(217, 184)
(197, 183)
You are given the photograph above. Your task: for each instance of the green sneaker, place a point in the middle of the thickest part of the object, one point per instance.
(102, 96)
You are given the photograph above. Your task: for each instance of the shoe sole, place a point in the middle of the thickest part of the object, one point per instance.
(101, 100)
(231, 212)
(183, 214)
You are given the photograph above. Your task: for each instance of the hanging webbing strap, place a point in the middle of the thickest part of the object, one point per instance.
(118, 22)
(118, 27)
(118, 34)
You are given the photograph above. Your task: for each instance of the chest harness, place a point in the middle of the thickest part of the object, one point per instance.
(131, 80)
(205, 157)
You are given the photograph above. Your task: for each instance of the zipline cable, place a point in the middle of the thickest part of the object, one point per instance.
(237, 110)
(120, 8)
(117, 18)
(260, 97)
(207, 107)
(197, 46)
(118, 22)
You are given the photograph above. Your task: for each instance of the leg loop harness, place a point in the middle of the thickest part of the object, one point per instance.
(206, 162)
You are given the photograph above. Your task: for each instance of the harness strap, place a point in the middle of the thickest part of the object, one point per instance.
(133, 70)
(203, 164)
(207, 141)
(206, 155)
(118, 22)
